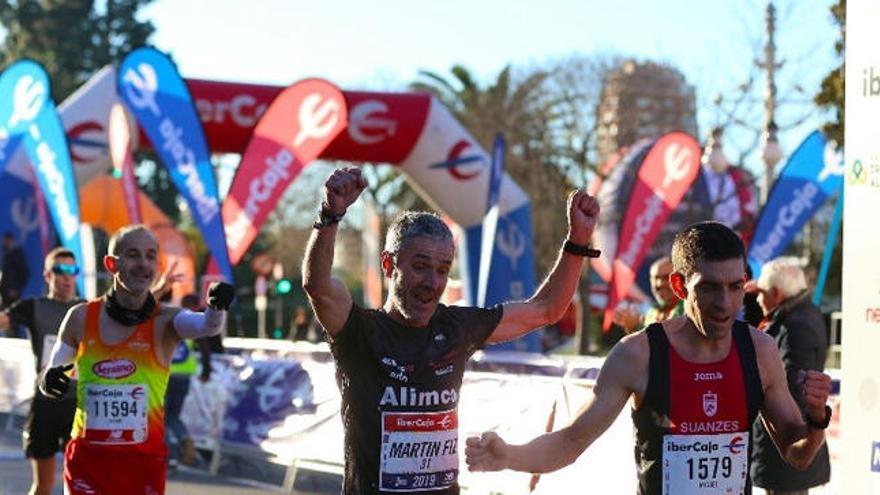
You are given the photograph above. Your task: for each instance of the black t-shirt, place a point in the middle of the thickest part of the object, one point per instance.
(400, 388)
(42, 317)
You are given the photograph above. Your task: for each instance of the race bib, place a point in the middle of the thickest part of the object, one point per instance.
(116, 414)
(419, 451)
(705, 464)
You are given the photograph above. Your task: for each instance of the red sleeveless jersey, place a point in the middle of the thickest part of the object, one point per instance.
(693, 426)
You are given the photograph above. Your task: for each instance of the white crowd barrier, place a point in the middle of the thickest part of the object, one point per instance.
(278, 400)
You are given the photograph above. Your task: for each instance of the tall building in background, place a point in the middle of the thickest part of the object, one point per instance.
(643, 100)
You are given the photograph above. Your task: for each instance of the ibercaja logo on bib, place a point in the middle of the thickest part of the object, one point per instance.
(114, 368)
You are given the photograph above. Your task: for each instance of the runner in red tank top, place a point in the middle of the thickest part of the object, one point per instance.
(697, 382)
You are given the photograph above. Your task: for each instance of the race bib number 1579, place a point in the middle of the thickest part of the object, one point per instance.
(702, 464)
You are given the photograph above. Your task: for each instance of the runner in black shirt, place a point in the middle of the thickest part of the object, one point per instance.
(48, 423)
(400, 367)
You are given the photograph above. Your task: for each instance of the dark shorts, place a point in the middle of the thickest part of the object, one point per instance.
(47, 426)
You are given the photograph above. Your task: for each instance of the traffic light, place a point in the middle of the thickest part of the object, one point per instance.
(283, 286)
(276, 333)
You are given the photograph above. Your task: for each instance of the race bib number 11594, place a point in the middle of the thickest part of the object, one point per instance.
(116, 414)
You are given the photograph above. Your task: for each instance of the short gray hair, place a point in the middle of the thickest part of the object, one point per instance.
(784, 273)
(114, 246)
(411, 224)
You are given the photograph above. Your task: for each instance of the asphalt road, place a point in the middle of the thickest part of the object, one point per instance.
(15, 473)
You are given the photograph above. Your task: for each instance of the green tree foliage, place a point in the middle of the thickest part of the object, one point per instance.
(71, 38)
(831, 96)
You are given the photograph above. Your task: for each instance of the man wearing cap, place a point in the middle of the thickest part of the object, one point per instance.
(799, 329)
(48, 423)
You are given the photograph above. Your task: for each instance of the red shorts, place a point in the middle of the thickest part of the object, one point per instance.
(91, 470)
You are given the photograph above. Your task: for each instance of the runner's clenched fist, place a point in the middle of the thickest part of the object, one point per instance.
(342, 189)
(583, 214)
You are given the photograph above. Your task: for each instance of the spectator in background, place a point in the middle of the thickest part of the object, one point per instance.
(751, 311)
(14, 269)
(301, 323)
(799, 329)
(48, 423)
(183, 366)
(666, 304)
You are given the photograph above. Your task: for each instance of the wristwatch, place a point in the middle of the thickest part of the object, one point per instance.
(820, 425)
(325, 218)
(580, 250)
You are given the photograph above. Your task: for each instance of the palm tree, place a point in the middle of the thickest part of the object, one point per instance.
(523, 110)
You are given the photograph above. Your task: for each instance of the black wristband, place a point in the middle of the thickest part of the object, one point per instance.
(580, 250)
(824, 423)
(325, 218)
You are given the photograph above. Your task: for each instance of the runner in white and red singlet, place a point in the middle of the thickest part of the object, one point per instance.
(696, 383)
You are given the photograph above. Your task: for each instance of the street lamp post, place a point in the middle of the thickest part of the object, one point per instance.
(771, 153)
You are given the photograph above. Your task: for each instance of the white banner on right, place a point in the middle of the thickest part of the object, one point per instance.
(859, 469)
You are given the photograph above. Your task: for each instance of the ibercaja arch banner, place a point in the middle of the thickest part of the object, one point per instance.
(153, 91)
(413, 132)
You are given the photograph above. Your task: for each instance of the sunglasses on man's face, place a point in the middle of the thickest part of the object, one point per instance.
(65, 270)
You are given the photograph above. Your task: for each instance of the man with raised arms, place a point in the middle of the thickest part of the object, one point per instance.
(121, 345)
(696, 383)
(400, 367)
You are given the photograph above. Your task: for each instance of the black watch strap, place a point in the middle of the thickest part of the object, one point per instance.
(325, 218)
(580, 250)
(824, 423)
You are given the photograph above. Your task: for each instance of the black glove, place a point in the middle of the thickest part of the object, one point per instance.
(220, 295)
(55, 382)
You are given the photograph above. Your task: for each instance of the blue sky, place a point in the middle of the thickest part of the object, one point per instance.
(382, 44)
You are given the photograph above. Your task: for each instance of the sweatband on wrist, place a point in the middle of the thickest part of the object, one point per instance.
(193, 325)
(61, 354)
(580, 250)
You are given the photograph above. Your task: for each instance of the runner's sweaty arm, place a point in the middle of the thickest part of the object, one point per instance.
(193, 324)
(329, 296)
(552, 298)
(623, 374)
(53, 380)
(797, 442)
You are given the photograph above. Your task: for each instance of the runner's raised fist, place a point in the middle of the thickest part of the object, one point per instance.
(54, 382)
(220, 295)
(342, 189)
(583, 214)
(817, 388)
